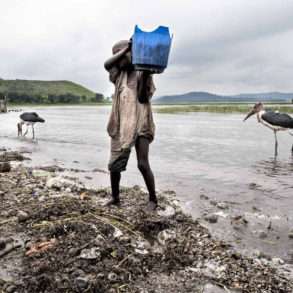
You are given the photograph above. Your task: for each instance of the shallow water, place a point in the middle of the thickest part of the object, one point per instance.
(198, 155)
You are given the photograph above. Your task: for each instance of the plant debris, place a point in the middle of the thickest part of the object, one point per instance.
(70, 242)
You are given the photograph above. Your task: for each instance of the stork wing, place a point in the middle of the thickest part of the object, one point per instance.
(278, 119)
(31, 117)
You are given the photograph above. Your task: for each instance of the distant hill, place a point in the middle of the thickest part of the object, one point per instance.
(37, 91)
(205, 97)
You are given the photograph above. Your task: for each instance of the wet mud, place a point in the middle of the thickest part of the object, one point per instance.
(56, 235)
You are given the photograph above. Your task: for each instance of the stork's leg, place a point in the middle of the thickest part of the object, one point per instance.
(291, 133)
(19, 129)
(276, 143)
(26, 131)
(33, 131)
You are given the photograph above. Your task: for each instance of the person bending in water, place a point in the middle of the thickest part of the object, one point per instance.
(131, 120)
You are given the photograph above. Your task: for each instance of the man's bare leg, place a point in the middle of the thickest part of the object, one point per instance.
(115, 184)
(142, 152)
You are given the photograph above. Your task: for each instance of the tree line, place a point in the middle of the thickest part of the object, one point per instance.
(21, 98)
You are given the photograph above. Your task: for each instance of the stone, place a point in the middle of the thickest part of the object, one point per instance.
(60, 183)
(165, 235)
(92, 253)
(210, 288)
(4, 214)
(211, 218)
(78, 273)
(262, 234)
(68, 190)
(213, 202)
(169, 211)
(52, 168)
(28, 245)
(11, 212)
(82, 283)
(222, 206)
(73, 251)
(10, 289)
(204, 197)
(253, 185)
(290, 234)
(2, 243)
(11, 156)
(277, 261)
(117, 233)
(22, 216)
(213, 269)
(5, 167)
(41, 173)
(112, 277)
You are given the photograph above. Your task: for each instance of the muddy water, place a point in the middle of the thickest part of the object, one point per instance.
(206, 158)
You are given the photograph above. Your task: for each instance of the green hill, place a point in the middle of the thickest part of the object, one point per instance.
(47, 92)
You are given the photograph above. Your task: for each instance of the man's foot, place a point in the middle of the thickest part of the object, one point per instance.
(152, 206)
(112, 202)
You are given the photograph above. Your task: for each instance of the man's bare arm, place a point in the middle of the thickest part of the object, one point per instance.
(115, 58)
(143, 89)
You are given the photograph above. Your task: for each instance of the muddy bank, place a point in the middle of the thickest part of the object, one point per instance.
(56, 236)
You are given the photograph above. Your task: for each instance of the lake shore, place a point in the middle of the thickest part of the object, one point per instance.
(30, 105)
(174, 109)
(219, 108)
(56, 236)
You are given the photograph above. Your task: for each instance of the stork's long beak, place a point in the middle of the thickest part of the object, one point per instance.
(252, 112)
(41, 120)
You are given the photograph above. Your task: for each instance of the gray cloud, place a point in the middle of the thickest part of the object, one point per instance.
(221, 46)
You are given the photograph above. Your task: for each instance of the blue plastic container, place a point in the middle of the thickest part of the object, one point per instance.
(150, 50)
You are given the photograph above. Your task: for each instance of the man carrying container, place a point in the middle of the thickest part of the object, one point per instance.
(131, 119)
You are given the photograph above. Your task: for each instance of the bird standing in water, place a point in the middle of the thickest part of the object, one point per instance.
(273, 120)
(29, 119)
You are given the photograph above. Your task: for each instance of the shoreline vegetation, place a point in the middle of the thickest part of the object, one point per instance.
(56, 236)
(176, 108)
(38, 93)
(219, 108)
(12, 106)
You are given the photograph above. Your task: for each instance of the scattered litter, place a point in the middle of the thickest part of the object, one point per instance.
(41, 247)
(76, 245)
(92, 253)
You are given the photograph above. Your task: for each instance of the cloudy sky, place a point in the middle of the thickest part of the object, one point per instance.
(221, 46)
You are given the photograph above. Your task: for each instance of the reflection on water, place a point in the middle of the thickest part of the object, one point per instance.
(198, 153)
(274, 167)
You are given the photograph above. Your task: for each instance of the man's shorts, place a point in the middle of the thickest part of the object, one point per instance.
(119, 160)
(119, 157)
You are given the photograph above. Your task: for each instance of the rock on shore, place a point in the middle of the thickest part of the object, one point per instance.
(56, 236)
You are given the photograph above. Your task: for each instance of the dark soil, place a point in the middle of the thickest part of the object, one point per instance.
(68, 242)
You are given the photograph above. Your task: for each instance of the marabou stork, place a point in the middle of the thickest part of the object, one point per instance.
(29, 119)
(273, 120)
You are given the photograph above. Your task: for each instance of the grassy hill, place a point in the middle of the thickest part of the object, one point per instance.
(47, 92)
